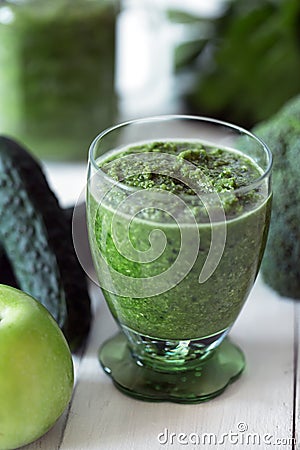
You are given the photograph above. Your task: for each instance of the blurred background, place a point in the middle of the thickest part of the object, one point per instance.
(69, 69)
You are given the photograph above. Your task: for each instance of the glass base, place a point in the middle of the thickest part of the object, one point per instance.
(199, 384)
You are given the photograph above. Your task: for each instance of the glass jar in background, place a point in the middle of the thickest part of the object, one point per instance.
(57, 66)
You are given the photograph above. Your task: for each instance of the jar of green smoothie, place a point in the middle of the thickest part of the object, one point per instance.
(57, 64)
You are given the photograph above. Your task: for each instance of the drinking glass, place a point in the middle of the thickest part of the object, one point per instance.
(175, 267)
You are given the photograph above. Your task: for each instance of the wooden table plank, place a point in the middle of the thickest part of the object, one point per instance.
(261, 400)
(52, 439)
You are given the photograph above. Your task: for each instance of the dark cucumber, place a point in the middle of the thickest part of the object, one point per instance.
(7, 275)
(36, 238)
(6, 272)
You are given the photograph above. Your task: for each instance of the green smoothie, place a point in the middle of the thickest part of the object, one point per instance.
(57, 73)
(189, 310)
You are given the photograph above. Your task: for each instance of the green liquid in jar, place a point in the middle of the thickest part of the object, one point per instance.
(57, 63)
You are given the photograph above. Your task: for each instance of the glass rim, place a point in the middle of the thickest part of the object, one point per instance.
(174, 117)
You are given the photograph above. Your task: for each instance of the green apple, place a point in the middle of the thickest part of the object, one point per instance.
(36, 369)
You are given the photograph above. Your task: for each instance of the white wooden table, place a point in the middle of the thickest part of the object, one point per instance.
(258, 411)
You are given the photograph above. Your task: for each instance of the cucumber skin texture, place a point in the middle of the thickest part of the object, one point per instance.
(36, 237)
(6, 272)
